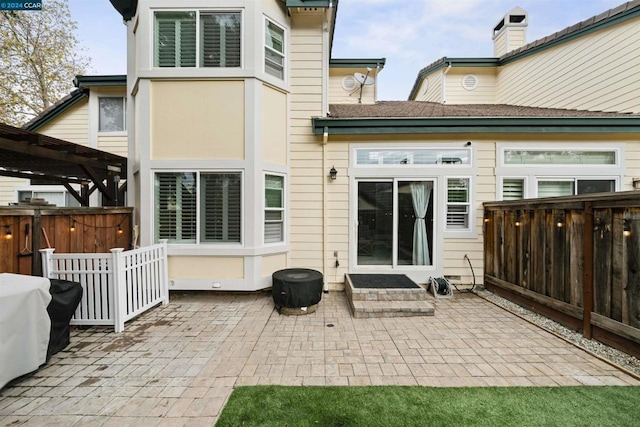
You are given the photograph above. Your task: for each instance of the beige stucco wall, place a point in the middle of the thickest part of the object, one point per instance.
(338, 95)
(484, 93)
(206, 116)
(193, 267)
(598, 72)
(274, 125)
(72, 125)
(273, 263)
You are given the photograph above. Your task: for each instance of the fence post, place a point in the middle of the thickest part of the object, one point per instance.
(164, 271)
(119, 289)
(587, 277)
(47, 262)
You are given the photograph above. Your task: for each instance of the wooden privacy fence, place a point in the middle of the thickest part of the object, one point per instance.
(74, 230)
(117, 286)
(575, 259)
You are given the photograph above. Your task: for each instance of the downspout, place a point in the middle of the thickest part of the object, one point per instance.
(325, 137)
(325, 140)
(444, 84)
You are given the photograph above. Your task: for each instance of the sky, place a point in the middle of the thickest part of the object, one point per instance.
(410, 34)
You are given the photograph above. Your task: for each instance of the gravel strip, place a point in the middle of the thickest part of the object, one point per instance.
(603, 351)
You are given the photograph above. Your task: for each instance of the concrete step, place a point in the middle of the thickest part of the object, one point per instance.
(368, 309)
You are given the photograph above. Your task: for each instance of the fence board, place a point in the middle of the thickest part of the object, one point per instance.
(576, 261)
(633, 267)
(602, 249)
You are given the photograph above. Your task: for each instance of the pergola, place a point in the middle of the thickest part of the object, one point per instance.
(46, 160)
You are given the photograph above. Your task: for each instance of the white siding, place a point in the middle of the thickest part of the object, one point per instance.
(8, 189)
(598, 72)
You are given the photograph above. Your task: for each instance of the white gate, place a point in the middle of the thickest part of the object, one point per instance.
(117, 286)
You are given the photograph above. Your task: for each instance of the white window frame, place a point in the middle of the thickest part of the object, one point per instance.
(284, 54)
(468, 204)
(282, 209)
(532, 173)
(152, 42)
(198, 243)
(411, 157)
(48, 189)
(124, 118)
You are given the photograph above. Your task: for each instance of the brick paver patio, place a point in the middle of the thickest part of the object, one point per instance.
(177, 365)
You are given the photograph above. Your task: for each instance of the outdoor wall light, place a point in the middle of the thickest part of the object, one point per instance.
(626, 229)
(8, 234)
(333, 173)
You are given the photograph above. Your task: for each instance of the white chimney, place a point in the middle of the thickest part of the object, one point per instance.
(511, 32)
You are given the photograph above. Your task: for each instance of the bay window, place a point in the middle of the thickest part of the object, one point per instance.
(274, 57)
(203, 39)
(273, 209)
(198, 207)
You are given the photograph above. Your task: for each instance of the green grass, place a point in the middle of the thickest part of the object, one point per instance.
(425, 406)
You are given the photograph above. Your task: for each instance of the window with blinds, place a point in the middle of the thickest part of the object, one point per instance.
(512, 189)
(274, 50)
(177, 197)
(458, 203)
(220, 39)
(176, 36)
(220, 205)
(175, 207)
(273, 209)
(175, 39)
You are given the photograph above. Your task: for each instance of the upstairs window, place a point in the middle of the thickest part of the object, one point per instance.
(274, 50)
(197, 39)
(112, 114)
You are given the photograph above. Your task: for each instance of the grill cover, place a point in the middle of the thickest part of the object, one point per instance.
(296, 287)
(65, 297)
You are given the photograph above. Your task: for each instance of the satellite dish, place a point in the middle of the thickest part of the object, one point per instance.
(363, 79)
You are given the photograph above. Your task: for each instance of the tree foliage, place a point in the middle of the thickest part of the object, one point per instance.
(39, 57)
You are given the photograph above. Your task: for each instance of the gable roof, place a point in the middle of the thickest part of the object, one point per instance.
(606, 19)
(77, 95)
(397, 117)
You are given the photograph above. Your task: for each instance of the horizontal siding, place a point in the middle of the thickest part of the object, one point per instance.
(113, 144)
(306, 228)
(337, 94)
(598, 72)
(433, 92)
(484, 93)
(72, 125)
(8, 187)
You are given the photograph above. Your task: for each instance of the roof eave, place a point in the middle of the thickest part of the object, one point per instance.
(447, 125)
(102, 80)
(56, 110)
(357, 62)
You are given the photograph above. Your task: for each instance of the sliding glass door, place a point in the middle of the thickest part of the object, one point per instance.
(395, 223)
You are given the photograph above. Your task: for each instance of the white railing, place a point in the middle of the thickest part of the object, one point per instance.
(117, 286)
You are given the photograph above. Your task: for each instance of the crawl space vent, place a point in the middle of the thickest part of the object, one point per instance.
(349, 83)
(469, 82)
